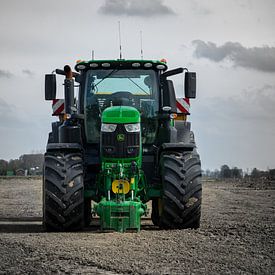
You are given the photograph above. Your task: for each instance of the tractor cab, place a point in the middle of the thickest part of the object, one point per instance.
(141, 84)
(132, 87)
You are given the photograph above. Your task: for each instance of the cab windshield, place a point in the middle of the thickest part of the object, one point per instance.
(136, 88)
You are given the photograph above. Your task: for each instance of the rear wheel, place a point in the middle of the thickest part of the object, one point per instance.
(63, 191)
(182, 191)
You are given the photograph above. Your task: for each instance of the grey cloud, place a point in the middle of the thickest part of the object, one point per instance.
(237, 130)
(19, 132)
(5, 74)
(142, 8)
(4, 107)
(246, 4)
(199, 8)
(252, 105)
(12, 117)
(257, 58)
(8, 117)
(28, 72)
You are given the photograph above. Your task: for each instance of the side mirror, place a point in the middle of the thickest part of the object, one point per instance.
(169, 96)
(50, 86)
(190, 85)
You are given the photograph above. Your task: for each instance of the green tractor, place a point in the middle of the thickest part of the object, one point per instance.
(118, 145)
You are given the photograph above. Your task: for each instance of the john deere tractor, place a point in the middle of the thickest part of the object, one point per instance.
(119, 144)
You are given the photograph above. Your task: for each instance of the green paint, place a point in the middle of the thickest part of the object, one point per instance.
(120, 114)
(120, 216)
(119, 211)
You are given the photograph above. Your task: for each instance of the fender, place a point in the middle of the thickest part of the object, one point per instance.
(177, 147)
(63, 146)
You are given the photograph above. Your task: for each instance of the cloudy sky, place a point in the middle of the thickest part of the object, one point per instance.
(230, 44)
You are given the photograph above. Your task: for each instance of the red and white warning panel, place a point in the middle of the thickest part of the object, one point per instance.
(58, 107)
(183, 106)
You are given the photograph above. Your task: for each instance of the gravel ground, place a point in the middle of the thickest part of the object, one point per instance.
(237, 236)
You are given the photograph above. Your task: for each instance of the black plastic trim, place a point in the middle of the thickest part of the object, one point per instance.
(177, 146)
(55, 146)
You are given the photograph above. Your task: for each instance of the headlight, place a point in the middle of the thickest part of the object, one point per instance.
(134, 127)
(108, 127)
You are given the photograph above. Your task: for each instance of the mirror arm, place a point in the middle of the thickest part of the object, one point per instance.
(173, 72)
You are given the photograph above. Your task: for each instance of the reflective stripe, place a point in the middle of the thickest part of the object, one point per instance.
(183, 105)
(58, 107)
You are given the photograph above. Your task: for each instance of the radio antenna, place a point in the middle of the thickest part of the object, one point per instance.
(93, 55)
(120, 47)
(141, 47)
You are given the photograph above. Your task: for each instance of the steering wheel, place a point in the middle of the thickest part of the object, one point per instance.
(123, 94)
(121, 98)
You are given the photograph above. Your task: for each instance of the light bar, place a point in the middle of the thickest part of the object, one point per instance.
(148, 65)
(81, 67)
(160, 67)
(93, 65)
(105, 65)
(136, 65)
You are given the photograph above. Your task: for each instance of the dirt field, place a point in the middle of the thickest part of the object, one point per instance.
(237, 236)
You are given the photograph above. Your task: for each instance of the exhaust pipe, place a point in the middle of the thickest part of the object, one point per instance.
(69, 132)
(68, 90)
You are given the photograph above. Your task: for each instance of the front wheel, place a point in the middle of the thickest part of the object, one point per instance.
(182, 190)
(63, 191)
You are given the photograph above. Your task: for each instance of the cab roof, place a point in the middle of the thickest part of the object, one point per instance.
(159, 65)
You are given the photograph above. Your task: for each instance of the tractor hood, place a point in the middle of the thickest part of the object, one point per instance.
(121, 114)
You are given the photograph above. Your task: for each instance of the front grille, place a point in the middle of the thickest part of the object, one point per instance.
(112, 147)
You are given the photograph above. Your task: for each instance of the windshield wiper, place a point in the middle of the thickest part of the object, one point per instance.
(108, 75)
(138, 85)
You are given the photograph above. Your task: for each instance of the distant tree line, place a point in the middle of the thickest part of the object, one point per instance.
(32, 163)
(226, 172)
(257, 174)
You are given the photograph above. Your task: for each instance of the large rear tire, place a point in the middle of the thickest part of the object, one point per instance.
(182, 190)
(63, 191)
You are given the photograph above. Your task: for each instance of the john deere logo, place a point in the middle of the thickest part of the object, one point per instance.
(120, 137)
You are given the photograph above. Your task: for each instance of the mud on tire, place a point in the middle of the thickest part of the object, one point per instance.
(182, 190)
(63, 192)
